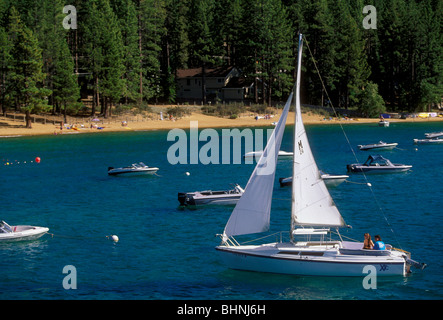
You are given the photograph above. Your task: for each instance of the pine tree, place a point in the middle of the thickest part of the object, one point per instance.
(350, 62)
(5, 61)
(58, 64)
(175, 44)
(201, 47)
(103, 50)
(26, 69)
(126, 13)
(152, 16)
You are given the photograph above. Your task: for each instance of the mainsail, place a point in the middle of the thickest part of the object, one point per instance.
(311, 202)
(252, 212)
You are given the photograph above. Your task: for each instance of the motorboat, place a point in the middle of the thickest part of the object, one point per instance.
(377, 164)
(257, 154)
(331, 180)
(20, 232)
(434, 134)
(378, 146)
(135, 168)
(310, 250)
(223, 197)
(428, 141)
(383, 123)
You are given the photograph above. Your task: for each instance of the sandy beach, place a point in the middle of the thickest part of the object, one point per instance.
(16, 127)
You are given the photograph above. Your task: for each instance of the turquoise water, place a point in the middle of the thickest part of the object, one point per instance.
(166, 252)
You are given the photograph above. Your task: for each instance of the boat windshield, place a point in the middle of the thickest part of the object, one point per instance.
(4, 227)
(377, 160)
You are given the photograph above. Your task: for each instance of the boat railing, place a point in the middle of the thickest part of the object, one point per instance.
(231, 241)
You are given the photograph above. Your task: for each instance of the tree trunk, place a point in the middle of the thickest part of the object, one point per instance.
(28, 119)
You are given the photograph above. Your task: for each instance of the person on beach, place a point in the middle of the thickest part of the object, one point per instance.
(368, 244)
(379, 245)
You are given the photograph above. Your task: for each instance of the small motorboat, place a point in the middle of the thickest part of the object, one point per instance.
(257, 154)
(135, 168)
(331, 180)
(378, 146)
(18, 233)
(383, 123)
(377, 164)
(428, 141)
(224, 197)
(434, 135)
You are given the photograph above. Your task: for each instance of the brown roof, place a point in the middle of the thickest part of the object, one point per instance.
(197, 72)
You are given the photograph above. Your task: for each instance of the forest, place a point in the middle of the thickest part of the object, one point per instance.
(128, 52)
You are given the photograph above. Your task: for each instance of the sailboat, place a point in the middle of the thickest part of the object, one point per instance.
(313, 214)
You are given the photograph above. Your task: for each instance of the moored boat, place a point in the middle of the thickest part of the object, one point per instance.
(222, 197)
(331, 180)
(378, 146)
(428, 141)
(20, 232)
(377, 164)
(135, 168)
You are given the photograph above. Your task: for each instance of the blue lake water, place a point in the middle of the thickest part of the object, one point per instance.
(166, 252)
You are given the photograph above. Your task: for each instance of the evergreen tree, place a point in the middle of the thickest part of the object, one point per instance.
(126, 13)
(201, 47)
(350, 67)
(26, 69)
(5, 61)
(103, 50)
(58, 64)
(152, 16)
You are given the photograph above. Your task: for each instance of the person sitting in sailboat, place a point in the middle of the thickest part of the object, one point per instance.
(368, 244)
(379, 245)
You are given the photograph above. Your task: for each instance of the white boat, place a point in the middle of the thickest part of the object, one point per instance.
(378, 146)
(135, 168)
(20, 232)
(331, 180)
(378, 164)
(257, 154)
(428, 141)
(312, 207)
(383, 123)
(224, 197)
(434, 134)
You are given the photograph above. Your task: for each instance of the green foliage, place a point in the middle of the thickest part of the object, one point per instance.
(371, 103)
(129, 51)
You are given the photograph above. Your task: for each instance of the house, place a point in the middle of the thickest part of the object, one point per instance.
(222, 84)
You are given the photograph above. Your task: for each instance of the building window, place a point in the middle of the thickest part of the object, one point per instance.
(188, 82)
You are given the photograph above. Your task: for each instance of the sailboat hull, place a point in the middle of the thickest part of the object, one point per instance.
(309, 261)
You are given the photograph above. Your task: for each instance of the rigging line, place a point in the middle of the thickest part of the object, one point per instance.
(349, 143)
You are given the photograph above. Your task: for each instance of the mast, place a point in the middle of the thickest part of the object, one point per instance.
(312, 205)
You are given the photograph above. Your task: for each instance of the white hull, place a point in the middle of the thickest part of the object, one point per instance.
(285, 258)
(428, 141)
(257, 154)
(383, 124)
(329, 179)
(378, 169)
(219, 200)
(378, 146)
(114, 172)
(23, 233)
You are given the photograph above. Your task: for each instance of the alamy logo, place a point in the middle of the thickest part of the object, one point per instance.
(209, 153)
(370, 21)
(70, 21)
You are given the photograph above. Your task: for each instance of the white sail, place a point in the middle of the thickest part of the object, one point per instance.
(311, 202)
(252, 212)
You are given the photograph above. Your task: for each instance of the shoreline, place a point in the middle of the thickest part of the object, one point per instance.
(14, 128)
